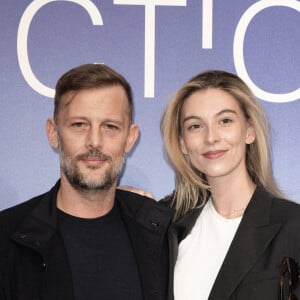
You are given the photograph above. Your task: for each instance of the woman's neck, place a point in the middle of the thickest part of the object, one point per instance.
(230, 196)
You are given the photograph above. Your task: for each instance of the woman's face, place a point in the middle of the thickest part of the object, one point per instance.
(215, 133)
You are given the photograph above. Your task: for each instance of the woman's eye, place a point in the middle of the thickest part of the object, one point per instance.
(194, 127)
(226, 121)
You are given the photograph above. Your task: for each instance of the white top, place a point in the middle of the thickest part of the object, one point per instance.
(201, 254)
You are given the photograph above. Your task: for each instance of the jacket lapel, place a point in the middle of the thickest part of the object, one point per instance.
(251, 240)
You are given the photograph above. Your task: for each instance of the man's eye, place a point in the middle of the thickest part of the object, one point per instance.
(111, 127)
(78, 124)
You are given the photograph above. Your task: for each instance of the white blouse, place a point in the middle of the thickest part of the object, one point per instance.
(201, 254)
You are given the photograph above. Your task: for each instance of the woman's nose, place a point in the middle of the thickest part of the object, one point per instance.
(212, 135)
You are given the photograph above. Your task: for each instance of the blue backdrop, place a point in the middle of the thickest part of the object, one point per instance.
(157, 45)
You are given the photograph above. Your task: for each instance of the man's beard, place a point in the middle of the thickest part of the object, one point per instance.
(89, 183)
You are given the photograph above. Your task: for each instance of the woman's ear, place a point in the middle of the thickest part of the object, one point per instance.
(251, 134)
(51, 132)
(182, 146)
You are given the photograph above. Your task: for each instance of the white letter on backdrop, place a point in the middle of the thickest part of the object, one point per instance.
(238, 49)
(207, 23)
(150, 37)
(22, 37)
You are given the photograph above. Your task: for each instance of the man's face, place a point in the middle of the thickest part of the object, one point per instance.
(93, 134)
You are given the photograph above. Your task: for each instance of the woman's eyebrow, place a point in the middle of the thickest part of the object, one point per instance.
(223, 111)
(227, 110)
(191, 117)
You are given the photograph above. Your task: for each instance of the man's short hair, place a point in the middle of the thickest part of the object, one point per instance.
(89, 76)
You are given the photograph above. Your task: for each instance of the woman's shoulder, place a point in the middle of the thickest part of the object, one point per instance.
(285, 209)
(280, 202)
(285, 203)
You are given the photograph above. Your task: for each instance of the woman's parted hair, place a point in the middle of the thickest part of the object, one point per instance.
(191, 186)
(89, 76)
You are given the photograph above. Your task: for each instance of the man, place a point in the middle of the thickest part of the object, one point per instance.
(84, 239)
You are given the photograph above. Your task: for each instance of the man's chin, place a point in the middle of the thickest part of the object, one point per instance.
(94, 184)
(91, 187)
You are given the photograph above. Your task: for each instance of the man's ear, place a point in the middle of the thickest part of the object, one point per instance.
(132, 137)
(51, 132)
(182, 146)
(251, 134)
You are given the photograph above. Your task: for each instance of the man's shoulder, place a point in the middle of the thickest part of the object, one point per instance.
(21, 207)
(11, 217)
(138, 200)
(132, 203)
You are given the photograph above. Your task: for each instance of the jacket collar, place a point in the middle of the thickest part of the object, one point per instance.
(253, 236)
(40, 225)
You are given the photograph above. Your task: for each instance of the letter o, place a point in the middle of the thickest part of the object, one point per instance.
(238, 49)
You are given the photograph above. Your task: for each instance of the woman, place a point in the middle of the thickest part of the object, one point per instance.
(233, 236)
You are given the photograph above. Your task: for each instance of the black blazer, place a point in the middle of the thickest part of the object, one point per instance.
(34, 263)
(269, 231)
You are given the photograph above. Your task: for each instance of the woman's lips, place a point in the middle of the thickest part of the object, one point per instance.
(214, 154)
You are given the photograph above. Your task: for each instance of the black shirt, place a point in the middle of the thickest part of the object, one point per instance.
(101, 257)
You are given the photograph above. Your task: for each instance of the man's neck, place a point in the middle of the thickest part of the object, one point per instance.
(84, 204)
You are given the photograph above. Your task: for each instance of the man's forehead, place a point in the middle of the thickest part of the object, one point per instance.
(69, 97)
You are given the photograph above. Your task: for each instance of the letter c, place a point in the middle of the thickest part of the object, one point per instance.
(22, 38)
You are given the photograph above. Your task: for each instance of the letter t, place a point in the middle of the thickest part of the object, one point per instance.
(150, 36)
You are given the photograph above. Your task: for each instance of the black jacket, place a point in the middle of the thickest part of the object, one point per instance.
(269, 231)
(33, 260)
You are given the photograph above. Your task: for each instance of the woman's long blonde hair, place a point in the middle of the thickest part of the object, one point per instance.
(191, 186)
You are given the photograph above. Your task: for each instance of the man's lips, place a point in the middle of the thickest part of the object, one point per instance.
(93, 159)
(93, 156)
(93, 162)
(214, 154)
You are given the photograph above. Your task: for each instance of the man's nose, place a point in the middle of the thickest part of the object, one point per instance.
(95, 138)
